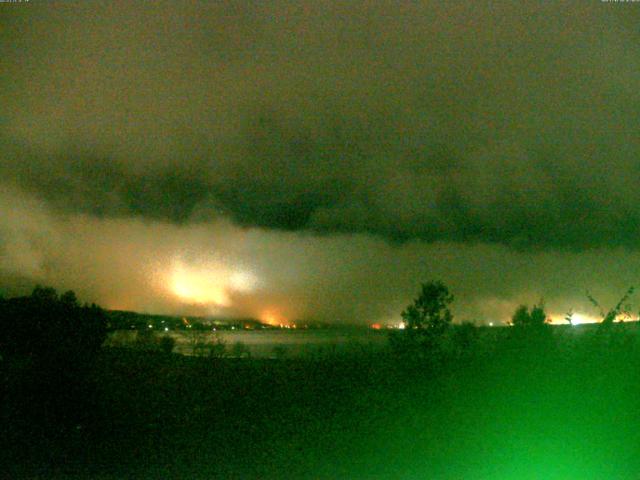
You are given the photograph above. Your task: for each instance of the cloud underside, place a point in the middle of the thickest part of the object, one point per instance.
(500, 124)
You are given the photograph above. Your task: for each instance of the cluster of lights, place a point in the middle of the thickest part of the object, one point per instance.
(389, 326)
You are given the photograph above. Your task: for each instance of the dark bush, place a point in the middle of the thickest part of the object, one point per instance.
(46, 328)
(167, 344)
(49, 345)
(465, 337)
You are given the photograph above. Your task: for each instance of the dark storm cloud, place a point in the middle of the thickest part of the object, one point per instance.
(493, 122)
(319, 159)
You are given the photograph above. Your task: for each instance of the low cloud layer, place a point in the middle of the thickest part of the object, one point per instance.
(224, 270)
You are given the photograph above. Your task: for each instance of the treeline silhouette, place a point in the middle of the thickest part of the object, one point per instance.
(71, 406)
(46, 327)
(48, 347)
(431, 337)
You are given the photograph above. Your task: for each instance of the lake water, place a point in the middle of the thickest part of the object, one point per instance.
(269, 343)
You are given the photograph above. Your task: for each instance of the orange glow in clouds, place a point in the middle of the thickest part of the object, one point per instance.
(273, 318)
(208, 284)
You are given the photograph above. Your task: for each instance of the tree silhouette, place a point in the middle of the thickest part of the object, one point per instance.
(523, 318)
(49, 345)
(430, 310)
(69, 299)
(621, 308)
(45, 327)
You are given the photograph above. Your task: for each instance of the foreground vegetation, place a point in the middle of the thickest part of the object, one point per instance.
(510, 403)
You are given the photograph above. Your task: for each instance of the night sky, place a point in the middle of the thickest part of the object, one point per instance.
(319, 159)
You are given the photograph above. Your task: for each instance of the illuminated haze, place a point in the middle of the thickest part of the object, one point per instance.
(318, 160)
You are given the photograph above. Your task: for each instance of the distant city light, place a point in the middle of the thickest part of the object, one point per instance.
(579, 318)
(272, 317)
(576, 319)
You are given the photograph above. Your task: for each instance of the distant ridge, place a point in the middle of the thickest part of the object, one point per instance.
(128, 320)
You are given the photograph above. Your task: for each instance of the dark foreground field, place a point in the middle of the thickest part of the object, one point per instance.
(512, 411)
